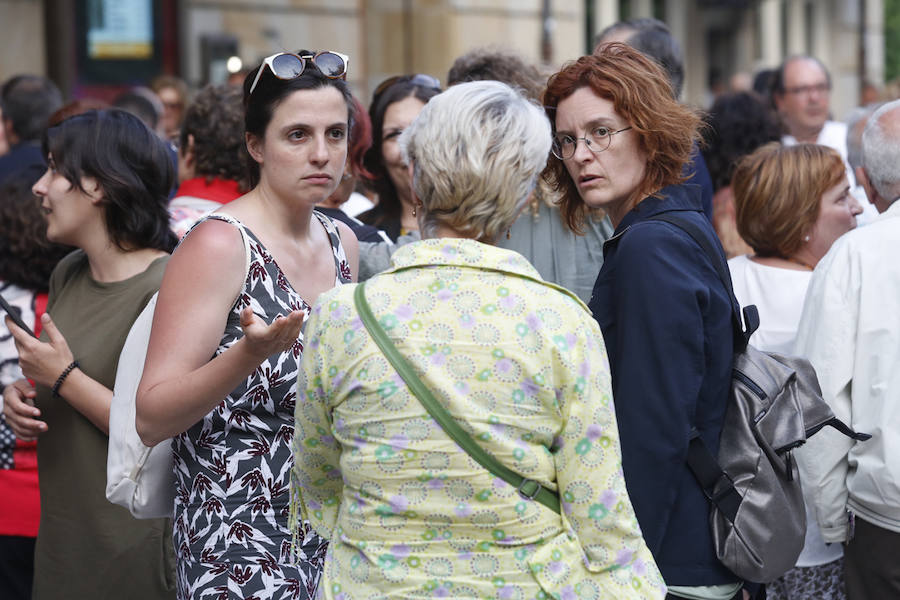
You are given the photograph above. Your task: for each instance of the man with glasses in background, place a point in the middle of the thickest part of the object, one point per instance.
(802, 95)
(801, 91)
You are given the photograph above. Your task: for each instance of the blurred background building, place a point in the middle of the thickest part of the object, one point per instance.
(98, 47)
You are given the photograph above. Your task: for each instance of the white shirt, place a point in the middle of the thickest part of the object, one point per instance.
(778, 295)
(834, 135)
(850, 331)
(356, 204)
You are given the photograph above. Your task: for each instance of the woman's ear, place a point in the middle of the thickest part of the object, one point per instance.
(254, 146)
(92, 188)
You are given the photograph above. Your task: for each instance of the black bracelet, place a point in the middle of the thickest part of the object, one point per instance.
(62, 377)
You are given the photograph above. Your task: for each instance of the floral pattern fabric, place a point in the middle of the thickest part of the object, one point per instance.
(522, 366)
(232, 468)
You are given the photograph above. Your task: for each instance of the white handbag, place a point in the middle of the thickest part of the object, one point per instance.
(140, 478)
(137, 477)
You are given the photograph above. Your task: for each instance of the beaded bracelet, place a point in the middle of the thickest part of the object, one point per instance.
(62, 377)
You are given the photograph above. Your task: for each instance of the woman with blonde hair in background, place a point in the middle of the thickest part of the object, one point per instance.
(792, 203)
(518, 363)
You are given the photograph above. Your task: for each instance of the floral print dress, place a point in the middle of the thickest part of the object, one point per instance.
(522, 366)
(232, 468)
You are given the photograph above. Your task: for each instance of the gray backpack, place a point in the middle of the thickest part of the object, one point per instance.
(757, 513)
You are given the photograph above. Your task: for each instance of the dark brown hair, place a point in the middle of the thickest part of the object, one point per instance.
(26, 256)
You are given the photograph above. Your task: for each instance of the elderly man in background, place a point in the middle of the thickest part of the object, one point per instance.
(849, 331)
(856, 121)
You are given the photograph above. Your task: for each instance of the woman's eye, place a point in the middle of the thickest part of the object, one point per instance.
(337, 134)
(297, 135)
(392, 134)
(601, 132)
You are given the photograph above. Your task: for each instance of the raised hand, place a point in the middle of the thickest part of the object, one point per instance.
(265, 340)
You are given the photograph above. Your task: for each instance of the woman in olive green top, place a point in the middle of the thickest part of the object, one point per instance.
(105, 192)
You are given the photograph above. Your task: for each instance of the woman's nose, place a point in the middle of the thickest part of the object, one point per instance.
(40, 186)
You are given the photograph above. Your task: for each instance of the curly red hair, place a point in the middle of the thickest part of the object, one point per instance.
(642, 95)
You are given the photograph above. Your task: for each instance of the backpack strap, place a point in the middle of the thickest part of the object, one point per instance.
(717, 260)
(700, 460)
(528, 488)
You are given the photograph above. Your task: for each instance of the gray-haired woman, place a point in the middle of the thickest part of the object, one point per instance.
(517, 362)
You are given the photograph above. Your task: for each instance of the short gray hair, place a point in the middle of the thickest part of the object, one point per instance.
(477, 150)
(881, 151)
(856, 122)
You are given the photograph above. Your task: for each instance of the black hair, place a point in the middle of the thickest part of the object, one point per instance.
(388, 209)
(28, 101)
(739, 123)
(653, 38)
(137, 103)
(659, 45)
(270, 91)
(26, 256)
(132, 166)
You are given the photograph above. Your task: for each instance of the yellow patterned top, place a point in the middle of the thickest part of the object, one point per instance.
(521, 365)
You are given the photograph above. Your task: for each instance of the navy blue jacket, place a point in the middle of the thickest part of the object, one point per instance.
(697, 172)
(666, 321)
(21, 157)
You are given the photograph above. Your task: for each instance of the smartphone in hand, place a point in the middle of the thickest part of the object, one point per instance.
(14, 315)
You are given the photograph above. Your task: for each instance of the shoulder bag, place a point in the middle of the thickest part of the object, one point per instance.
(138, 477)
(528, 488)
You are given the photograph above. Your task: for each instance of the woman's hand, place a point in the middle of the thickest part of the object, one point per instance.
(41, 362)
(265, 340)
(20, 412)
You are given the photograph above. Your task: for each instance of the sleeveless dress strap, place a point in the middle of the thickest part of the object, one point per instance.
(341, 266)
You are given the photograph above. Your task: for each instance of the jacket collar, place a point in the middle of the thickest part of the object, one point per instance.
(682, 197)
(461, 253)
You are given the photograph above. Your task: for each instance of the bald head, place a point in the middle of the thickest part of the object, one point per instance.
(881, 156)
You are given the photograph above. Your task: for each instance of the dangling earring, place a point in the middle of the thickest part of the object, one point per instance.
(507, 234)
(414, 210)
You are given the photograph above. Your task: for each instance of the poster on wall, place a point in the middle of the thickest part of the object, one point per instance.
(120, 29)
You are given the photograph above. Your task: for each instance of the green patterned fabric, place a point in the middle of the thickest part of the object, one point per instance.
(521, 365)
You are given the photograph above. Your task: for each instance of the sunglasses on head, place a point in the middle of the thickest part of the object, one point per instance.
(287, 66)
(420, 80)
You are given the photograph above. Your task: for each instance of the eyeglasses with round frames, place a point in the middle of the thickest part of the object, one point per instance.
(808, 90)
(287, 66)
(597, 140)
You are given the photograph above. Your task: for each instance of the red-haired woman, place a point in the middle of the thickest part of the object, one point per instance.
(620, 142)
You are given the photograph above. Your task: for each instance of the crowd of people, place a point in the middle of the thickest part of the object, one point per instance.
(508, 237)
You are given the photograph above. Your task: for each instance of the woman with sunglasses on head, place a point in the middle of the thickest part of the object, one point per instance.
(231, 415)
(395, 104)
(105, 193)
(620, 143)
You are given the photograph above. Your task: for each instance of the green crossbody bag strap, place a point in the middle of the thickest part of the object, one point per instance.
(528, 488)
